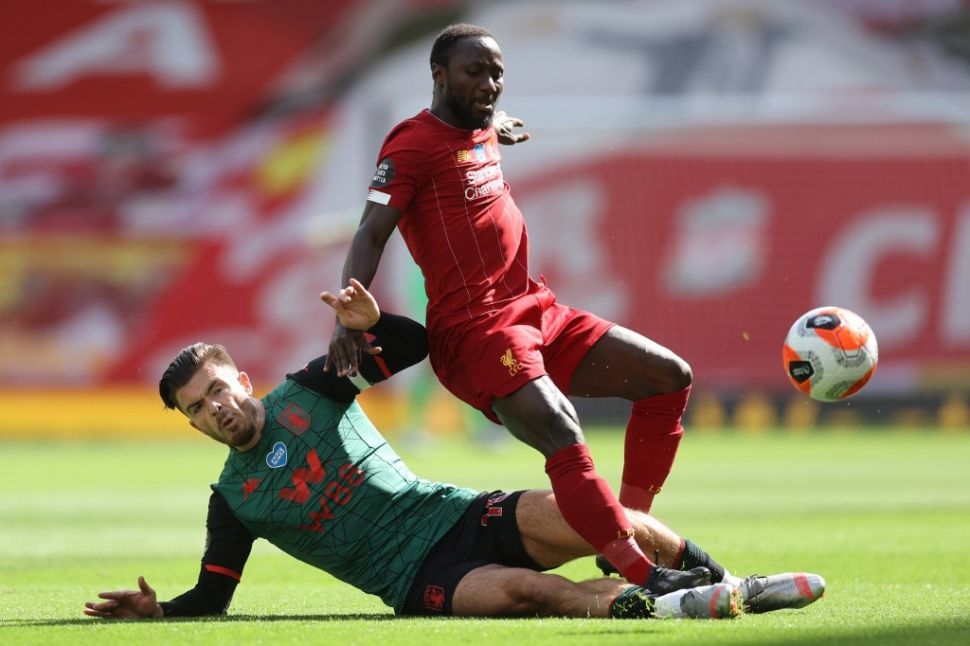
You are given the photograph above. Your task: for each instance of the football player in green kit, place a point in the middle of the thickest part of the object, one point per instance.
(308, 472)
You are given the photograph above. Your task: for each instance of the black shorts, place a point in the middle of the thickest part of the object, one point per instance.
(486, 533)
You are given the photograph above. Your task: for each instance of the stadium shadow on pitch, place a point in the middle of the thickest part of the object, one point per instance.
(610, 628)
(80, 621)
(946, 631)
(620, 629)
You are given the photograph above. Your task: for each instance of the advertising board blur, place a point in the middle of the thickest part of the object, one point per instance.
(702, 172)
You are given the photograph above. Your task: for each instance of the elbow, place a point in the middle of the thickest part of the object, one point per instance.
(416, 347)
(421, 348)
(414, 353)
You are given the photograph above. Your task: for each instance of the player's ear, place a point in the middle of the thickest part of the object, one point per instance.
(438, 74)
(246, 383)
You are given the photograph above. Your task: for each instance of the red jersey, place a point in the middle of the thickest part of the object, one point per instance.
(458, 218)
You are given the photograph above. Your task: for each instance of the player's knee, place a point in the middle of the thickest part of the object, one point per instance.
(679, 375)
(671, 375)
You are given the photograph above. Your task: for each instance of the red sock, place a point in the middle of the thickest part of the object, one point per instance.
(679, 558)
(652, 437)
(591, 509)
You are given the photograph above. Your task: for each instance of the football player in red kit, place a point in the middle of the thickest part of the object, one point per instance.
(498, 338)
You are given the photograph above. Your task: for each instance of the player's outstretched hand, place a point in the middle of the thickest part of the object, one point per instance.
(504, 126)
(126, 604)
(356, 311)
(356, 307)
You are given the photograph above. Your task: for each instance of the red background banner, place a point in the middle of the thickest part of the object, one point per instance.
(716, 256)
(172, 171)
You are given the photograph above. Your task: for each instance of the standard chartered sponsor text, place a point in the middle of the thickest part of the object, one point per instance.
(483, 181)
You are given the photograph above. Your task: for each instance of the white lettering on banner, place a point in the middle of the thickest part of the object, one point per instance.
(719, 244)
(955, 322)
(167, 41)
(848, 269)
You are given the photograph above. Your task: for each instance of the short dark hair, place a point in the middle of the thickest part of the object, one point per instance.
(186, 364)
(441, 50)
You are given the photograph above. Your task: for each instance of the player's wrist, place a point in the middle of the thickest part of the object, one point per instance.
(374, 323)
(378, 323)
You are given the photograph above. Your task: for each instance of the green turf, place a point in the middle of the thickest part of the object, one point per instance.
(884, 516)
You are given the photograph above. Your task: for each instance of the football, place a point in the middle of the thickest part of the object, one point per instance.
(830, 353)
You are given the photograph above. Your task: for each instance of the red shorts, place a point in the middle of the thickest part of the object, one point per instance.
(497, 354)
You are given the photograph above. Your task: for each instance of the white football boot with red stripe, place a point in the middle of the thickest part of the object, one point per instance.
(718, 601)
(779, 591)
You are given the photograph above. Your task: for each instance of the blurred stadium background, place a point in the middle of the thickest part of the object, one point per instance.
(701, 170)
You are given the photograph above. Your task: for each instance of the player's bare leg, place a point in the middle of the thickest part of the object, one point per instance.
(625, 364)
(550, 542)
(758, 593)
(499, 591)
(541, 416)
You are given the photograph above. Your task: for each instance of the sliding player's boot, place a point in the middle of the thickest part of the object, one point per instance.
(779, 591)
(633, 603)
(662, 580)
(718, 601)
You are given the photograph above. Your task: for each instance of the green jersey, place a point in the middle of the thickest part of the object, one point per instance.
(324, 486)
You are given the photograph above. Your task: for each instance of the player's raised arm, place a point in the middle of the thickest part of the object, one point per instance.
(398, 342)
(376, 226)
(357, 309)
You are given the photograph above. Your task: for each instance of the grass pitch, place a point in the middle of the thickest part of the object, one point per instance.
(884, 516)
